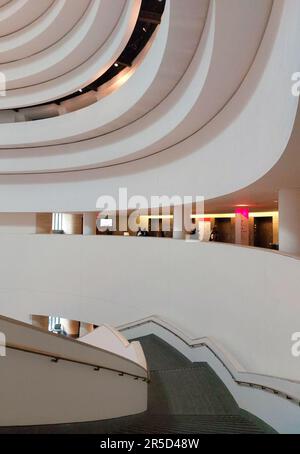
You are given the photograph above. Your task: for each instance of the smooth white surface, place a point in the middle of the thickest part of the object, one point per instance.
(289, 225)
(75, 59)
(89, 224)
(57, 21)
(22, 223)
(245, 139)
(243, 298)
(107, 338)
(34, 390)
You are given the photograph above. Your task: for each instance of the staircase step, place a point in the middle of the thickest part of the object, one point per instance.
(194, 390)
(152, 424)
(209, 424)
(161, 355)
(184, 398)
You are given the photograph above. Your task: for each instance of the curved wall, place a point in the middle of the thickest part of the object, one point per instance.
(65, 391)
(246, 137)
(100, 31)
(245, 299)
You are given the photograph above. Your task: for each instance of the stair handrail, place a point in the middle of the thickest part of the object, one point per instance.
(57, 357)
(209, 344)
(77, 342)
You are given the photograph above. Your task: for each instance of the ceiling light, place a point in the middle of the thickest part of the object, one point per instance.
(263, 214)
(213, 216)
(157, 216)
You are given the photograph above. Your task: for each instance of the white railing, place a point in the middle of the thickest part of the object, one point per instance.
(52, 379)
(278, 386)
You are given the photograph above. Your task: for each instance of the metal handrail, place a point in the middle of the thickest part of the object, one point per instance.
(205, 344)
(55, 358)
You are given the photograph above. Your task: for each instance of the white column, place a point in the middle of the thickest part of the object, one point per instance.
(154, 223)
(178, 224)
(7, 116)
(204, 228)
(275, 228)
(89, 223)
(242, 227)
(289, 221)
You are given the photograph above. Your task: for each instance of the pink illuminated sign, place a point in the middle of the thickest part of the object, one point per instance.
(243, 211)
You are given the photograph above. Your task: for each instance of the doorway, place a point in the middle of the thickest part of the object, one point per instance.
(263, 232)
(224, 228)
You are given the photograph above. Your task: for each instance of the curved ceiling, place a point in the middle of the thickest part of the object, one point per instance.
(194, 98)
(51, 48)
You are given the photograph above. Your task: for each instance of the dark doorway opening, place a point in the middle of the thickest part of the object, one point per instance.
(263, 232)
(224, 228)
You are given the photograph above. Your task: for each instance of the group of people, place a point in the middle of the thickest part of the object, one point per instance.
(214, 235)
(141, 232)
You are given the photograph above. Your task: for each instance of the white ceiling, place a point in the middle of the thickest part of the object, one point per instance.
(205, 110)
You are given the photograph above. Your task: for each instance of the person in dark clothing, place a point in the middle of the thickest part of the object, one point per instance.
(214, 236)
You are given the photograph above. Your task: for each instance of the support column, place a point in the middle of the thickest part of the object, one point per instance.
(89, 223)
(289, 221)
(155, 226)
(275, 228)
(178, 223)
(242, 226)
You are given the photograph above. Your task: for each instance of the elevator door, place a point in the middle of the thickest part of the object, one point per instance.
(224, 229)
(263, 232)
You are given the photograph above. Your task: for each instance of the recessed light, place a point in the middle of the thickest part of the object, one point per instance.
(116, 65)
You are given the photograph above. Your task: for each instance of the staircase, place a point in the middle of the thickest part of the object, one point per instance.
(184, 398)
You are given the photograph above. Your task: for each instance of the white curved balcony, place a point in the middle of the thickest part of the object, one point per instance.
(50, 379)
(253, 142)
(83, 278)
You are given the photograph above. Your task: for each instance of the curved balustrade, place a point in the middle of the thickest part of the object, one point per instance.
(173, 134)
(56, 357)
(262, 382)
(114, 280)
(247, 309)
(274, 400)
(102, 86)
(47, 379)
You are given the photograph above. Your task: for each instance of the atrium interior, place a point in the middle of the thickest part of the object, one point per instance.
(149, 217)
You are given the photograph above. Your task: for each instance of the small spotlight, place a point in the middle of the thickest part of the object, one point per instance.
(116, 65)
(144, 29)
